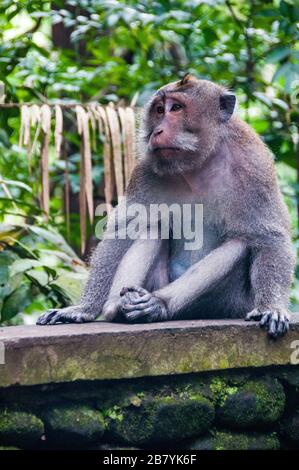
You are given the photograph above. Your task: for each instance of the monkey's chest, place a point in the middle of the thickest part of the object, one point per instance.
(183, 253)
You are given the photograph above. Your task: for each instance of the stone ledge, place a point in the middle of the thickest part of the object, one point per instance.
(97, 351)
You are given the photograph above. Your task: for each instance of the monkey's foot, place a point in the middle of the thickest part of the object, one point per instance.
(275, 321)
(139, 305)
(64, 315)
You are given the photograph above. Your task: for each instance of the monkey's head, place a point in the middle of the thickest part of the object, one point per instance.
(183, 122)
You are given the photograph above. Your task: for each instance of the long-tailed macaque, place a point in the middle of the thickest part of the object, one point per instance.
(195, 150)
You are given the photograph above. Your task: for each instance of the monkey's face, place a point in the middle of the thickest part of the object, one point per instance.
(182, 125)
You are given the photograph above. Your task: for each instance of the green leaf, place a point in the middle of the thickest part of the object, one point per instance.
(23, 265)
(7, 257)
(53, 237)
(263, 98)
(289, 73)
(39, 276)
(71, 284)
(16, 183)
(278, 54)
(16, 302)
(4, 275)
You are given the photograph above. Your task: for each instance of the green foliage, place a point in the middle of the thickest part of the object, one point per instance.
(38, 270)
(109, 50)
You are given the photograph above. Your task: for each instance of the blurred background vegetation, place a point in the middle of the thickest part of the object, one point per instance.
(119, 51)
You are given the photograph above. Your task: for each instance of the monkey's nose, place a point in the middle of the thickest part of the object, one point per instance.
(158, 132)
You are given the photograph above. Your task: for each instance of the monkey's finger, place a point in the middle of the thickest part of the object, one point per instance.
(282, 327)
(131, 307)
(286, 324)
(56, 318)
(273, 328)
(61, 317)
(131, 297)
(140, 300)
(139, 290)
(124, 291)
(265, 319)
(254, 315)
(135, 315)
(70, 317)
(139, 305)
(46, 317)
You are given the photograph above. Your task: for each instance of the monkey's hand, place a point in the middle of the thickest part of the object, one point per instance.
(140, 306)
(275, 321)
(73, 314)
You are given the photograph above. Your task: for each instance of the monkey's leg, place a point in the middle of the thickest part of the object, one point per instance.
(104, 263)
(133, 270)
(271, 275)
(197, 280)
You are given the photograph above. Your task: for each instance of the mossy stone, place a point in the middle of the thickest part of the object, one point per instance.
(255, 404)
(73, 425)
(225, 440)
(162, 419)
(9, 448)
(19, 428)
(290, 427)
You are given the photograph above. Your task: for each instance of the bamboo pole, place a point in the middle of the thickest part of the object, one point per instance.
(2, 93)
(57, 103)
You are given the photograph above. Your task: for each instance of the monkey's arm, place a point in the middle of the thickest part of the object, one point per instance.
(197, 280)
(271, 276)
(132, 270)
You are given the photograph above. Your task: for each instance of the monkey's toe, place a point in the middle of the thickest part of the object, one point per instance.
(45, 318)
(61, 317)
(64, 315)
(275, 322)
(254, 315)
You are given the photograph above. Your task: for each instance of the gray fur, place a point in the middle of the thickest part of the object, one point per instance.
(245, 266)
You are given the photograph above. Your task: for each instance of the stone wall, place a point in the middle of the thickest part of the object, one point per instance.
(226, 403)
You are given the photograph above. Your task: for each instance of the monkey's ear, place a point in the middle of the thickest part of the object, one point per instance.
(227, 103)
(185, 79)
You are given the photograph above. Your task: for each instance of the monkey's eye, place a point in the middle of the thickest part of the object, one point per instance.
(176, 107)
(160, 109)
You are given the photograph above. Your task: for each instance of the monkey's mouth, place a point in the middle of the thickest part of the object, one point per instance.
(165, 151)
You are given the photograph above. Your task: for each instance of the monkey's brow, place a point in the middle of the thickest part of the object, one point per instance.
(160, 94)
(175, 91)
(163, 94)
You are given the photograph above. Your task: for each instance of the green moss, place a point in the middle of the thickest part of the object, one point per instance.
(238, 441)
(70, 425)
(254, 404)
(161, 418)
(225, 440)
(9, 448)
(20, 428)
(179, 418)
(221, 390)
(114, 413)
(290, 427)
(229, 441)
(270, 398)
(133, 417)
